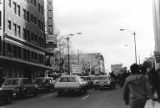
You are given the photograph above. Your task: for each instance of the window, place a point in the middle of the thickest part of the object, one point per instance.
(19, 52)
(15, 7)
(42, 10)
(9, 48)
(9, 3)
(26, 81)
(31, 1)
(24, 13)
(71, 79)
(24, 33)
(11, 82)
(39, 7)
(32, 17)
(27, 35)
(19, 31)
(9, 25)
(35, 20)
(28, 16)
(35, 3)
(0, 19)
(19, 11)
(15, 29)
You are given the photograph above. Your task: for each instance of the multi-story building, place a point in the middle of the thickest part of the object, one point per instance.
(92, 63)
(22, 38)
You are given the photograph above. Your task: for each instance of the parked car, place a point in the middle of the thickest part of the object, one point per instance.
(22, 86)
(7, 95)
(104, 81)
(88, 80)
(70, 83)
(45, 84)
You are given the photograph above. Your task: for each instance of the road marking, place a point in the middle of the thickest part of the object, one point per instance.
(85, 97)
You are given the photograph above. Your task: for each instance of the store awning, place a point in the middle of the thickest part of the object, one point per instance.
(18, 62)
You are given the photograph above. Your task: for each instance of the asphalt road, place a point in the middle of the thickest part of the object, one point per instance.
(105, 98)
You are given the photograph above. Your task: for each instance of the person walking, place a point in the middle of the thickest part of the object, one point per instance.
(154, 79)
(136, 89)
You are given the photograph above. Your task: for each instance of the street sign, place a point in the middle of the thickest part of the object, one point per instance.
(77, 68)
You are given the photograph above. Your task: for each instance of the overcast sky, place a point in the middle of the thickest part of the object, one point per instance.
(100, 21)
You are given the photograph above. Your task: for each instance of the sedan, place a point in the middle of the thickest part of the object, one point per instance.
(7, 95)
(104, 81)
(22, 86)
(70, 83)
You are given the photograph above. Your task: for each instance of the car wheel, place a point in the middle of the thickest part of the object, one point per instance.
(96, 88)
(84, 91)
(24, 94)
(112, 86)
(35, 93)
(59, 93)
(9, 99)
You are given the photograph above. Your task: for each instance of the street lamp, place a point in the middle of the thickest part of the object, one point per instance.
(68, 38)
(134, 34)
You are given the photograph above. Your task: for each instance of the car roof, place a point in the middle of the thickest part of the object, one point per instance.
(16, 78)
(69, 76)
(103, 76)
(44, 78)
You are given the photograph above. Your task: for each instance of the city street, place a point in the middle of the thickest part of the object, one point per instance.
(105, 98)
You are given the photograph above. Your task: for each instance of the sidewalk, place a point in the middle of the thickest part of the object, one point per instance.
(152, 104)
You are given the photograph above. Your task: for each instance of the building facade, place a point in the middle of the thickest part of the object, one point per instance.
(22, 38)
(92, 63)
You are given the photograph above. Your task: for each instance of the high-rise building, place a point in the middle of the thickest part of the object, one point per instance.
(22, 38)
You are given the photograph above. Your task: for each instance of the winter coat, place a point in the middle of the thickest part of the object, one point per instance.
(136, 88)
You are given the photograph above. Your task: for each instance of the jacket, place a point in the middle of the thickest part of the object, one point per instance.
(136, 88)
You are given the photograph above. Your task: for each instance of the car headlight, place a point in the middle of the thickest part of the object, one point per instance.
(108, 82)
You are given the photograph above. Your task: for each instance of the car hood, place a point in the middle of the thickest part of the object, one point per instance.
(11, 86)
(5, 89)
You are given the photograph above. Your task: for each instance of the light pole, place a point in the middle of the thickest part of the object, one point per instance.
(134, 34)
(68, 38)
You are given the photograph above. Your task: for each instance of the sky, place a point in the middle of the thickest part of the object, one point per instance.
(100, 22)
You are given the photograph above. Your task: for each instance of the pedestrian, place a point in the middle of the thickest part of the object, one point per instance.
(154, 79)
(136, 89)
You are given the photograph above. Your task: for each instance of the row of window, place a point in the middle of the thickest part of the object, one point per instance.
(27, 15)
(34, 3)
(28, 35)
(22, 53)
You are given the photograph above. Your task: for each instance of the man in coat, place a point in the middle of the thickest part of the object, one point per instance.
(136, 89)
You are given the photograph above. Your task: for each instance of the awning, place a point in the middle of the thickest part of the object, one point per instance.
(18, 62)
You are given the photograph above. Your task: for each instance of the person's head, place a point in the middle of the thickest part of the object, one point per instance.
(135, 69)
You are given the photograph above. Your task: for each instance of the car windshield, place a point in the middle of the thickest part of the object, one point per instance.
(39, 80)
(11, 82)
(68, 79)
(26, 81)
(103, 78)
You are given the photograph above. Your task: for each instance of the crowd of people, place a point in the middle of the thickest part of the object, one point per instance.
(141, 85)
